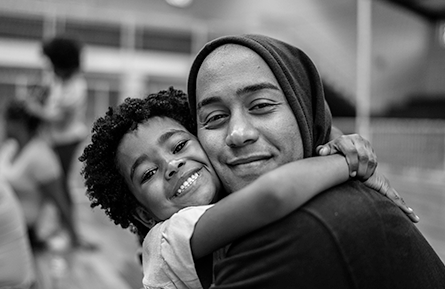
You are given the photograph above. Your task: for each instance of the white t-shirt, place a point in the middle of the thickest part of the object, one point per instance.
(68, 98)
(167, 258)
(36, 164)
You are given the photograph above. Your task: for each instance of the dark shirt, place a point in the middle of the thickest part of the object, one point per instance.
(349, 237)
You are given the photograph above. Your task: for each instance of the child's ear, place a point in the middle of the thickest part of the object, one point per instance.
(144, 217)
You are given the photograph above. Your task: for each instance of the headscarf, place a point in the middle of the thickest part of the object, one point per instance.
(296, 75)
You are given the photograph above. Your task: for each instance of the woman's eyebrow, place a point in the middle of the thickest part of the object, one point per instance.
(239, 92)
(256, 87)
(208, 100)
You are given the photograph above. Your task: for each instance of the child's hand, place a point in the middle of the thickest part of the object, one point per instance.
(359, 154)
(381, 184)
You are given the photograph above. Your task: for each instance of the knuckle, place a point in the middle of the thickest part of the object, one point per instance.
(363, 158)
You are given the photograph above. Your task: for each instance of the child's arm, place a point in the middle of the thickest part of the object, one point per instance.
(267, 199)
(53, 114)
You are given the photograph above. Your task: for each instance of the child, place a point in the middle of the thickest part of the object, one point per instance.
(147, 171)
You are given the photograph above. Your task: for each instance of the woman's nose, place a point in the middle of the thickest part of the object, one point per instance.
(241, 131)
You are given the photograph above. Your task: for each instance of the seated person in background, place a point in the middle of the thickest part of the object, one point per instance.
(33, 170)
(144, 164)
(16, 259)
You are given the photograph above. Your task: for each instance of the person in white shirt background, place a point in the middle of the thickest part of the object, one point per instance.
(61, 103)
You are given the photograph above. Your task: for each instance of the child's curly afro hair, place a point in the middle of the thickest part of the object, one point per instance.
(105, 185)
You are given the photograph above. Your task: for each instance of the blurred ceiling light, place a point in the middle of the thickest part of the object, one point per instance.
(179, 3)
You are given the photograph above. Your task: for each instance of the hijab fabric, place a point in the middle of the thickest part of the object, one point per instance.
(296, 75)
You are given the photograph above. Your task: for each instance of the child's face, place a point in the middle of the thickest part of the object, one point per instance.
(166, 168)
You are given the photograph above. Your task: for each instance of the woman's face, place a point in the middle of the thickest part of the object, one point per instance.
(166, 168)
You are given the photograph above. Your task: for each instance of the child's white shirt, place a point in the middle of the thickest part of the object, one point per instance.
(167, 258)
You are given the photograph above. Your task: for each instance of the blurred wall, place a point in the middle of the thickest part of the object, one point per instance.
(400, 54)
(406, 56)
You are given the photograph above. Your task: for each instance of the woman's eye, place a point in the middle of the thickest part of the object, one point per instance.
(147, 175)
(180, 146)
(263, 106)
(215, 117)
(214, 120)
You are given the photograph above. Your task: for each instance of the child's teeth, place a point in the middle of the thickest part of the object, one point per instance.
(187, 183)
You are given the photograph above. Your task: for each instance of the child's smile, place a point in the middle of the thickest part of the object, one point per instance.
(186, 185)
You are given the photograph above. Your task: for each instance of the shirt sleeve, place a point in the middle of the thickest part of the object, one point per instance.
(174, 261)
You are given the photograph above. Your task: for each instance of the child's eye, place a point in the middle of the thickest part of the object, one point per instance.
(179, 146)
(147, 175)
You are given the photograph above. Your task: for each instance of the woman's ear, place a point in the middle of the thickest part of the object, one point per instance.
(144, 217)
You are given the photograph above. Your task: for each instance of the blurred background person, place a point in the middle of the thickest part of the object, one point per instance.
(34, 172)
(61, 104)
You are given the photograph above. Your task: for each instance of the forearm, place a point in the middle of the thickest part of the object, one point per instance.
(266, 200)
(45, 113)
(297, 182)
